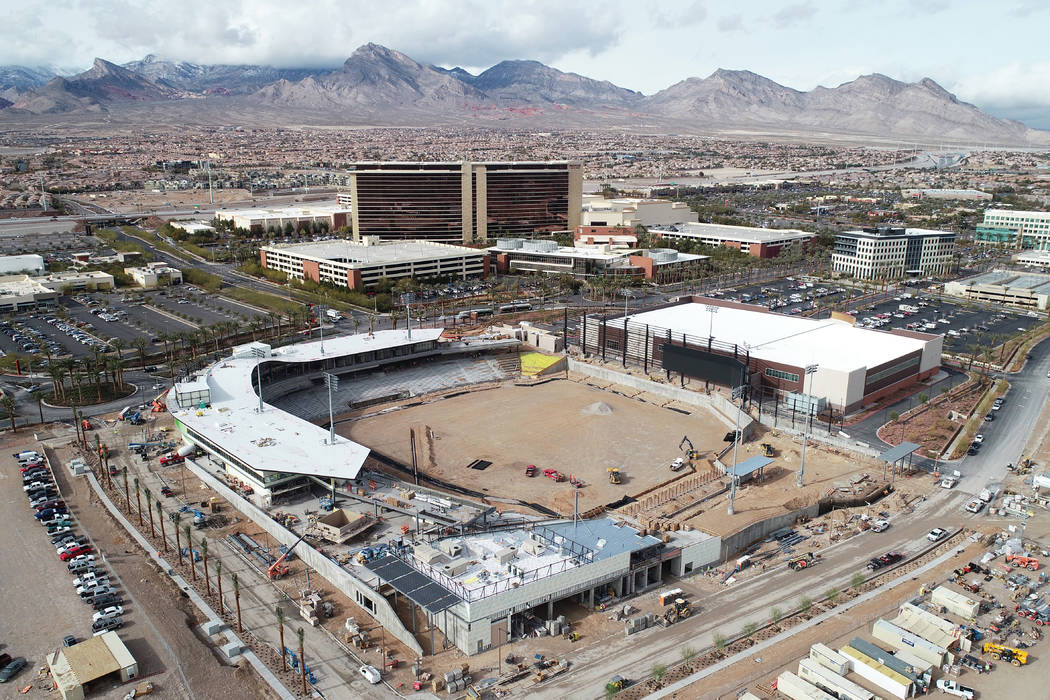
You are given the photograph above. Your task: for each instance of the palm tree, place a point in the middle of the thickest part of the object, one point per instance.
(160, 517)
(58, 375)
(118, 345)
(149, 509)
(138, 500)
(140, 345)
(189, 543)
(218, 580)
(175, 518)
(204, 557)
(302, 659)
(236, 599)
(98, 367)
(280, 628)
(9, 406)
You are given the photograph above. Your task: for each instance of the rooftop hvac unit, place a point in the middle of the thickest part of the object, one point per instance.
(533, 547)
(508, 243)
(456, 567)
(451, 547)
(540, 245)
(506, 554)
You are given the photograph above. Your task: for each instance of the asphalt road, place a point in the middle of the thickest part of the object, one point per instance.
(1015, 422)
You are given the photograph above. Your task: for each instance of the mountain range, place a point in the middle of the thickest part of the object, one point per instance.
(379, 86)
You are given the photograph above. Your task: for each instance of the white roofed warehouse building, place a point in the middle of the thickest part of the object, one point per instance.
(261, 219)
(886, 252)
(729, 344)
(756, 242)
(545, 256)
(357, 265)
(631, 212)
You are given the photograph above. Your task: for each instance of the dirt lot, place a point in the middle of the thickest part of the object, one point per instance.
(564, 425)
(162, 636)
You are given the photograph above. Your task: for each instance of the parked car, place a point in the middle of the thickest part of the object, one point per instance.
(69, 640)
(975, 505)
(106, 600)
(12, 668)
(107, 624)
(937, 534)
(955, 688)
(371, 674)
(75, 551)
(88, 559)
(111, 611)
(978, 438)
(880, 525)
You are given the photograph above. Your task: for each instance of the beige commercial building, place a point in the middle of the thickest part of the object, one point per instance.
(262, 219)
(464, 202)
(631, 212)
(887, 252)
(1023, 290)
(18, 292)
(155, 274)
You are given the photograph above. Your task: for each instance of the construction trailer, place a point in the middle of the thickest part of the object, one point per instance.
(955, 603)
(831, 682)
(879, 674)
(931, 627)
(829, 658)
(917, 671)
(900, 639)
(791, 686)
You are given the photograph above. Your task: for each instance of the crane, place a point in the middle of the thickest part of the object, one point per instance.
(276, 570)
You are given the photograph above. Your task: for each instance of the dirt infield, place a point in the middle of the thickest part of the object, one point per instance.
(564, 425)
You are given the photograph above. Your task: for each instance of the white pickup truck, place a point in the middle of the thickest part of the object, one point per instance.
(950, 480)
(953, 688)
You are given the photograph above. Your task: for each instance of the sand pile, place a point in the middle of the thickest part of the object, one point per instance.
(598, 408)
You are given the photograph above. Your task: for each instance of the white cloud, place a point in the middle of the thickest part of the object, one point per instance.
(1012, 85)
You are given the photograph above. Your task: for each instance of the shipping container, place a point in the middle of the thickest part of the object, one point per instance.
(831, 682)
(897, 638)
(829, 658)
(791, 686)
(955, 603)
(878, 673)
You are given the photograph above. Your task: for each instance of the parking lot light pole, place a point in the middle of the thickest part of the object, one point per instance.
(810, 371)
(321, 311)
(712, 310)
(259, 353)
(332, 382)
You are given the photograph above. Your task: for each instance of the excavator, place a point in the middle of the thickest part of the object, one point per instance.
(278, 569)
(692, 452)
(614, 475)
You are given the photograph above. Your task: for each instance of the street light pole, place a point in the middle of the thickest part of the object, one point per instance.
(738, 393)
(810, 371)
(332, 382)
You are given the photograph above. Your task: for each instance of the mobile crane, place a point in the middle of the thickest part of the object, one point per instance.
(277, 569)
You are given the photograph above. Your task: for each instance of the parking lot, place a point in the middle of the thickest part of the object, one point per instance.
(791, 295)
(36, 583)
(85, 321)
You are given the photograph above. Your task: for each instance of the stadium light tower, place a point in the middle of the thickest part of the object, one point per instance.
(738, 393)
(712, 310)
(332, 382)
(259, 353)
(810, 371)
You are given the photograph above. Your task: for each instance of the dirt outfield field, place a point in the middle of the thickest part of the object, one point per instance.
(564, 425)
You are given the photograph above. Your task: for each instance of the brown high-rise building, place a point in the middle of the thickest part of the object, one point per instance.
(464, 202)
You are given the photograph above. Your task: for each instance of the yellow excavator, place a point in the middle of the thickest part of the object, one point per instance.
(614, 475)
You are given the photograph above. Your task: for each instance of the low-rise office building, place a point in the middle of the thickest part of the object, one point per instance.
(262, 219)
(756, 242)
(1022, 290)
(630, 212)
(18, 292)
(967, 195)
(1017, 229)
(613, 236)
(886, 252)
(358, 265)
(154, 274)
(544, 256)
(1033, 258)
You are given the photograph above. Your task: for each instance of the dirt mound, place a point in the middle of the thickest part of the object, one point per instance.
(598, 408)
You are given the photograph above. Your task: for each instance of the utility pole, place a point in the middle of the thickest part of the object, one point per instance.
(259, 353)
(211, 191)
(738, 393)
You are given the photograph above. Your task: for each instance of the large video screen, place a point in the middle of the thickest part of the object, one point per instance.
(701, 364)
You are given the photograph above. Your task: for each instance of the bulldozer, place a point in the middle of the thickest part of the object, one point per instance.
(678, 610)
(614, 475)
(1017, 657)
(767, 449)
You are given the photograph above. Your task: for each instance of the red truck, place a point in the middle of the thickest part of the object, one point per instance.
(530, 470)
(171, 458)
(554, 474)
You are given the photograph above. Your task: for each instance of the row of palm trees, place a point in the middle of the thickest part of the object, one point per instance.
(186, 532)
(89, 370)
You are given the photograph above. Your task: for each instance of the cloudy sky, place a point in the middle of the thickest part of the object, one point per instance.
(990, 53)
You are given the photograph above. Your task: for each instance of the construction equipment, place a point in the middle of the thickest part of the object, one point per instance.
(614, 475)
(616, 684)
(85, 424)
(679, 610)
(1020, 560)
(802, 561)
(692, 452)
(1017, 657)
(554, 474)
(767, 449)
(278, 569)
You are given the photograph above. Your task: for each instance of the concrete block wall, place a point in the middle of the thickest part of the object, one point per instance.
(342, 579)
(756, 531)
